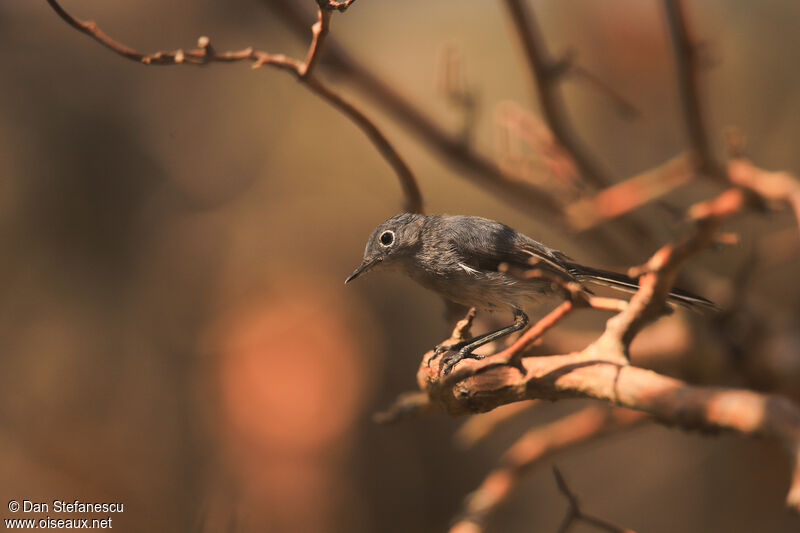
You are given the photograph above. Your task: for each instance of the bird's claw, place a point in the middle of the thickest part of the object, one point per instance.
(450, 360)
(441, 348)
(438, 350)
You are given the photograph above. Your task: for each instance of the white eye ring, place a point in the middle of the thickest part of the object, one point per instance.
(387, 238)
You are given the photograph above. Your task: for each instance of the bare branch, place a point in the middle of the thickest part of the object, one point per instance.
(576, 514)
(198, 56)
(411, 191)
(533, 448)
(302, 69)
(686, 64)
(319, 31)
(632, 193)
(781, 188)
(537, 201)
(473, 166)
(546, 76)
(601, 370)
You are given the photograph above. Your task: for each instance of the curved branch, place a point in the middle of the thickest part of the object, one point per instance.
(303, 70)
(472, 166)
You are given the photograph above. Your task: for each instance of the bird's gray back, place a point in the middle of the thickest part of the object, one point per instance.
(459, 257)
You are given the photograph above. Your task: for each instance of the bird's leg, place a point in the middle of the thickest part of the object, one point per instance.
(441, 348)
(465, 348)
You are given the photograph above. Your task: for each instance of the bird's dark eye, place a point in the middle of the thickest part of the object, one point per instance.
(387, 238)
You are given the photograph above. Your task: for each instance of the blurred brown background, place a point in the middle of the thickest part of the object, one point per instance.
(175, 332)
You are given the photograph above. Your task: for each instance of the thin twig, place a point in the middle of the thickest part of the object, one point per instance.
(303, 70)
(199, 56)
(472, 165)
(576, 514)
(534, 447)
(319, 31)
(534, 200)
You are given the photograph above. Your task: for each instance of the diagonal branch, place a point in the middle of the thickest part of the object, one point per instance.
(631, 193)
(473, 166)
(686, 64)
(303, 70)
(546, 75)
(533, 448)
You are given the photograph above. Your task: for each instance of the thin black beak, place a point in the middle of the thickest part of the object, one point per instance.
(363, 267)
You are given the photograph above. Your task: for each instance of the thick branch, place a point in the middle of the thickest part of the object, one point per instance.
(668, 400)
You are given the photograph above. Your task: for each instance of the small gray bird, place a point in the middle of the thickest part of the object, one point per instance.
(460, 257)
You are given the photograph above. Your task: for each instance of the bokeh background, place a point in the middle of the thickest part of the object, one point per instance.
(174, 330)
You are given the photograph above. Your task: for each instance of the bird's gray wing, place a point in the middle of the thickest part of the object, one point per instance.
(484, 244)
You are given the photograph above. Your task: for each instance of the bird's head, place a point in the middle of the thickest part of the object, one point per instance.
(390, 243)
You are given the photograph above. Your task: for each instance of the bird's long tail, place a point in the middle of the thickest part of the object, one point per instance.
(625, 283)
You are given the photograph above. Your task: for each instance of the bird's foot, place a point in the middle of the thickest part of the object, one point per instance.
(439, 349)
(450, 360)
